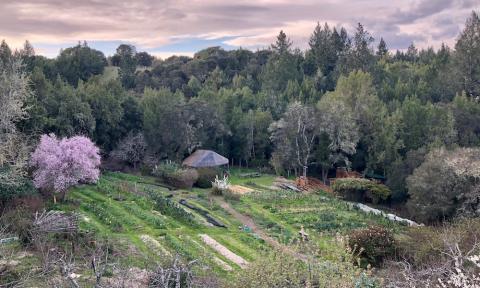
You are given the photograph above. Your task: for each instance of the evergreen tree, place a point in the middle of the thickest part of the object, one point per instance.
(282, 45)
(382, 48)
(467, 56)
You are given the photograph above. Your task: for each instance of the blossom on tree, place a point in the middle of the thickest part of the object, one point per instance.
(62, 163)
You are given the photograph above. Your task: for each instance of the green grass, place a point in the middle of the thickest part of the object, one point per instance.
(264, 180)
(119, 208)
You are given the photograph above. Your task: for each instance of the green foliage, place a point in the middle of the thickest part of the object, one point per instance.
(9, 192)
(80, 63)
(467, 58)
(445, 184)
(162, 121)
(104, 215)
(174, 175)
(372, 244)
(277, 269)
(359, 189)
(170, 208)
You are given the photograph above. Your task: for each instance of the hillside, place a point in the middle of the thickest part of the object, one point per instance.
(119, 209)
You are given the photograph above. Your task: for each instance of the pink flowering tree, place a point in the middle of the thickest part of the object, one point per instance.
(62, 163)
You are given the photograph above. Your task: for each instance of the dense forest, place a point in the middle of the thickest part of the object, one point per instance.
(340, 103)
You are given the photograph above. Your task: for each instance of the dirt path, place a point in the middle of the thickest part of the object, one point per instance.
(247, 221)
(224, 251)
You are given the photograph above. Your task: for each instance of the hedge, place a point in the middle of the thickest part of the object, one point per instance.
(360, 189)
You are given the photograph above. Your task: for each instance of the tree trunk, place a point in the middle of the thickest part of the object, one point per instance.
(324, 175)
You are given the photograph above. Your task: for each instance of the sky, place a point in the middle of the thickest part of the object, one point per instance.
(183, 27)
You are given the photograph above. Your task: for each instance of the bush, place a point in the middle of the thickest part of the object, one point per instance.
(444, 185)
(279, 269)
(220, 186)
(205, 177)
(372, 244)
(359, 189)
(9, 193)
(427, 245)
(429, 254)
(229, 195)
(176, 176)
(19, 222)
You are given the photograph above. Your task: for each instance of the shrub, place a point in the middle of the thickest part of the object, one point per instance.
(427, 245)
(279, 269)
(372, 244)
(18, 222)
(176, 176)
(229, 195)
(219, 186)
(9, 192)
(431, 254)
(205, 177)
(444, 185)
(61, 164)
(359, 189)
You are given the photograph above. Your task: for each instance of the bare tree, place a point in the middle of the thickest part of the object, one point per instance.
(14, 92)
(131, 149)
(295, 133)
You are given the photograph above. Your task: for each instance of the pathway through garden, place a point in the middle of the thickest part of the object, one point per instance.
(247, 221)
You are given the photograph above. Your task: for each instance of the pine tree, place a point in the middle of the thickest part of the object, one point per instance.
(468, 56)
(5, 52)
(282, 44)
(382, 48)
(412, 53)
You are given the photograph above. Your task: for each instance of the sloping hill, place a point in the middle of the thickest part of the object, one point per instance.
(147, 221)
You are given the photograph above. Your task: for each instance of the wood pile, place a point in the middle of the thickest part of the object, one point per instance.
(285, 184)
(55, 222)
(344, 173)
(312, 184)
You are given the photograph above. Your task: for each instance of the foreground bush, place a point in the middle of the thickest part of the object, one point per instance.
(176, 176)
(62, 163)
(372, 245)
(359, 189)
(430, 256)
(279, 269)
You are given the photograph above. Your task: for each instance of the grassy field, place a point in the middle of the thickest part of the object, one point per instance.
(119, 208)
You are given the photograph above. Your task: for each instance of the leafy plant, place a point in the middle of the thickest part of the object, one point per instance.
(170, 208)
(359, 189)
(175, 175)
(371, 244)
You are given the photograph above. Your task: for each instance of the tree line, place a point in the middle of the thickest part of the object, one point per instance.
(340, 103)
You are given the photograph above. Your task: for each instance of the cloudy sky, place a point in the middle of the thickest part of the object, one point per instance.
(166, 27)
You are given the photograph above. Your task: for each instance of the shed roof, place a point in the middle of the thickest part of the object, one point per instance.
(204, 158)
